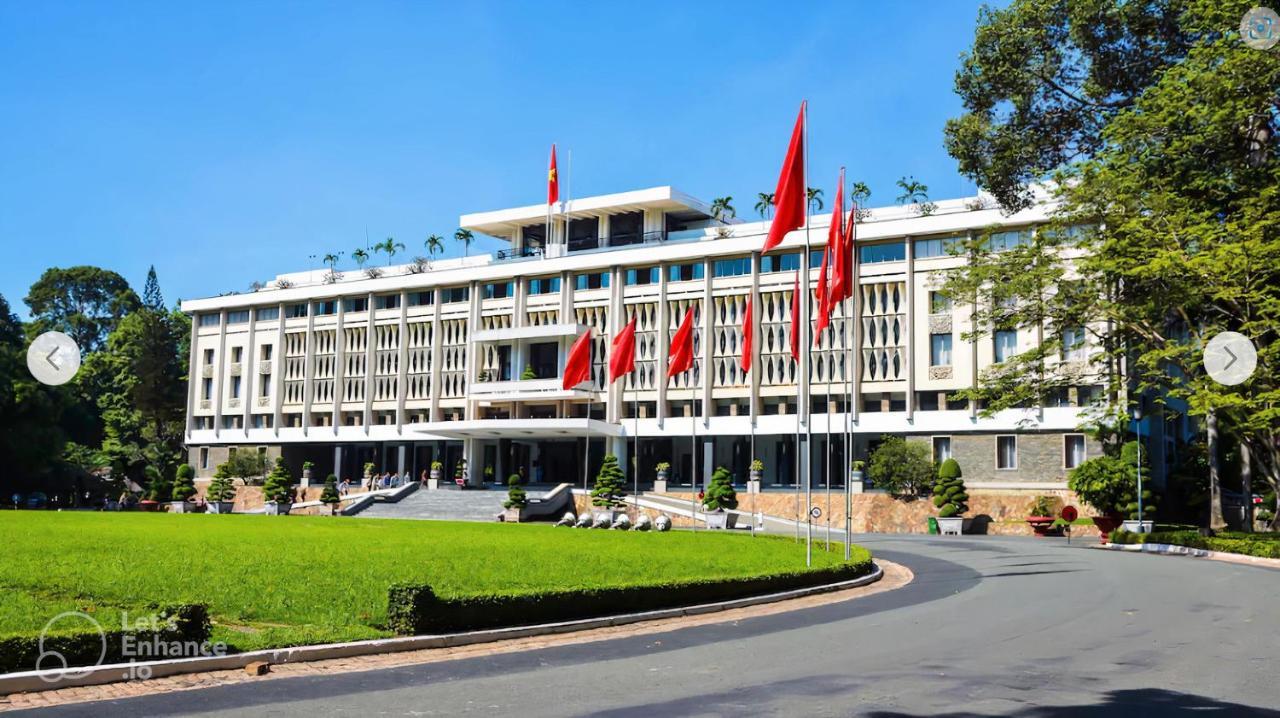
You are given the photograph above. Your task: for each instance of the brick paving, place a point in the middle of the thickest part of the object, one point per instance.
(895, 576)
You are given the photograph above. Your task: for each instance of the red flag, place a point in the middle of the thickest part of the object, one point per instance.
(622, 355)
(747, 334)
(577, 368)
(837, 246)
(795, 320)
(680, 357)
(789, 199)
(553, 179)
(847, 254)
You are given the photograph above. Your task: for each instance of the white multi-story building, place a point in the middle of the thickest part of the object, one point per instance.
(461, 358)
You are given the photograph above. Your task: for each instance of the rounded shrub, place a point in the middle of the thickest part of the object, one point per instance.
(184, 484)
(610, 489)
(516, 497)
(949, 494)
(279, 485)
(721, 494)
(330, 494)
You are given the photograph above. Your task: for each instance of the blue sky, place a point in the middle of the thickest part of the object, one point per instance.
(227, 142)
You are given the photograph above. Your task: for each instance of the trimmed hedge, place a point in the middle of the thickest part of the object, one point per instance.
(82, 647)
(415, 609)
(1260, 545)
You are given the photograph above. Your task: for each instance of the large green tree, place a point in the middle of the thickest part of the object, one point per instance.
(1155, 127)
(31, 414)
(83, 302)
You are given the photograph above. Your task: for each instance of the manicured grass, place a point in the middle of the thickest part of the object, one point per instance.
(277, 581)
(1262, 545)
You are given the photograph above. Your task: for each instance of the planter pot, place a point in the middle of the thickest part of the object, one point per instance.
(221, 507)
(1106, 524)
(278, 509)
(1138, 527)
(953, 525)
(333, 509)
(753, 486)
(435, 474)
(181, 507)
(721, 520)
(149, 505)
(433, 483)
(1042, 525)
(660, 486)
(856, 482)
(511, 516)
(755, 476)
(306, 477)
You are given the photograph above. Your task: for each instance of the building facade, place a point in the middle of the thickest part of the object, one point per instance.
(402, 366)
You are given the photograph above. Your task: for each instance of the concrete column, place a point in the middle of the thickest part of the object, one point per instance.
(708, 460)
(277, 371)
(433, 413)
(339, 365)
(973, 349)
(474, 453)
(249, 375)
(664, 342)
(337, 463)
(755, 374)
(400, 459)
(473, 323)
(369, 343)
(193, 373)
(602, 231)
(221, 368)
(911, 331)
(619, 447)
(309, 370)
(617, 320)
(402, 363)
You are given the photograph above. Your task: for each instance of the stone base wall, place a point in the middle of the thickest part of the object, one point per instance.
(249, 498)
(220, 454)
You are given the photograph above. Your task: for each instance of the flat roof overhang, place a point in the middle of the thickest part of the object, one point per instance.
(519, 428)
(542, 331)
(504, 222)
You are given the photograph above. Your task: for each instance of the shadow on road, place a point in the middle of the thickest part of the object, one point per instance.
(1128, 703)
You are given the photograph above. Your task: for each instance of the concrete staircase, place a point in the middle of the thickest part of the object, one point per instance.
(444, 505)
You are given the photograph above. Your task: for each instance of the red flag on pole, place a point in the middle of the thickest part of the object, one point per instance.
(577, 367)
(823, 294)
(795, 319)
(622, 355)
(680, 357)
(553, 179)
(838, 249)
(789, 199)
(747, 334)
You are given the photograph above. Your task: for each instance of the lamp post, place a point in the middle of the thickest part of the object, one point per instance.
(1137, 429)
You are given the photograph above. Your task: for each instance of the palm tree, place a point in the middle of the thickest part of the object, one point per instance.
(390, 246)
(764, 204)
(722, 209)
(466, 237)
(331, 259)
(815, 198)
(913, 192)
(360, 256)
(434, 244)
(859, 192)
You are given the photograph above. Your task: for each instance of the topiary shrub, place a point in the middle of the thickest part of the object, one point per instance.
(610, 488)
(720, 494)
(516, 497)
(903, 468)
(949, 494)
(279, 485)
(1109, 483)
(330, 494)
(158, 487)
(223, 487)
(184, 484)
(528, 373)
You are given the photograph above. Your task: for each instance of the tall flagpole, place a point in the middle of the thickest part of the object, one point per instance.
(693, 459)
(807, 342)
(849, 319)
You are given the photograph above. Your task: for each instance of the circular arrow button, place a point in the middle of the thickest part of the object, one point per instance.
(53, 358)
(1230, 358)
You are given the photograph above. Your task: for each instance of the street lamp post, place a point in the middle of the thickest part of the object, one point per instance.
(1137, 428)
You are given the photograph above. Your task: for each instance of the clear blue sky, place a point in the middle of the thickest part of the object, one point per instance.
(226, 142)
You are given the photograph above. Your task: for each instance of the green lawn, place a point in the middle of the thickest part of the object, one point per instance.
(275, 581)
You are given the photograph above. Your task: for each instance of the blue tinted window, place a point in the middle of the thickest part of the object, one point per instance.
(238, 317)
(595, 280)
(685, 272)
(647, 275)
(1002, 241)
(940, 247)
(499, 290)
(209, 320)
(732, 267)
(419, 299)
(323, 308)
(293, 311)
(544, 285)
(267, 313)
(456, 294)
(874, 253)
(779, 263)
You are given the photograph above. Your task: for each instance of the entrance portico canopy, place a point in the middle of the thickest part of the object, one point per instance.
(520, 428)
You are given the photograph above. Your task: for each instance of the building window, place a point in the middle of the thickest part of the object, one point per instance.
(387, 301)
(594, 280)
(210, 320)
(499, 290)
(326, 308)
(1006, 344)
(815, 259)
(644, 275)
(888, 252)
(1072, 450)
(1073, 344)
(544, 285)
(685, 272)
(204, 457)
(208, 357)
(939, 350)
(262, 421)
(206, 389)
(235, 387)
(1004, 241)
(939, 303)
(355, 304)
(732, 267)
(455, 294)
(238, 317)
(294, 311)
(265, 352)
(779, 263)
(1006, 452)
(422, 299)
(237, 354)
(266, 314)
(941, 448)
(940, 247)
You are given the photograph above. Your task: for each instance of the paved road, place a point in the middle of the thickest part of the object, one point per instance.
(991, 626)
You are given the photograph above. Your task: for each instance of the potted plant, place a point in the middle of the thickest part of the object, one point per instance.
(857, 476)
(184, 487)
(460, 474)
(277, 492)
(951, 499)
(609, 491)
(488, 473)
(1109, 484)
(528, 374)
(719, 498)
(660, 483)
(754, 475)
(369, 468)
(516, 499)
(1042, 516)
(159, 490)
(221, 494)
(307, 466)
(437, 469)
(330, 495)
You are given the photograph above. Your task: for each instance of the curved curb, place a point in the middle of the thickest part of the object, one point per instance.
(1167, 549)
(33, 681)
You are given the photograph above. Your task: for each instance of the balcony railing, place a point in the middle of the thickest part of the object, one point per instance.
(622, 240)
(518, 253)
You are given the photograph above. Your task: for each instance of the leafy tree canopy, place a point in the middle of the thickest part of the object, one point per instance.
(83, 302)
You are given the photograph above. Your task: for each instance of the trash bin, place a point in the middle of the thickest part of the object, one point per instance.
(933, 525)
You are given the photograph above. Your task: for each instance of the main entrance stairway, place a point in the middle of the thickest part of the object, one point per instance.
(449, 505)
